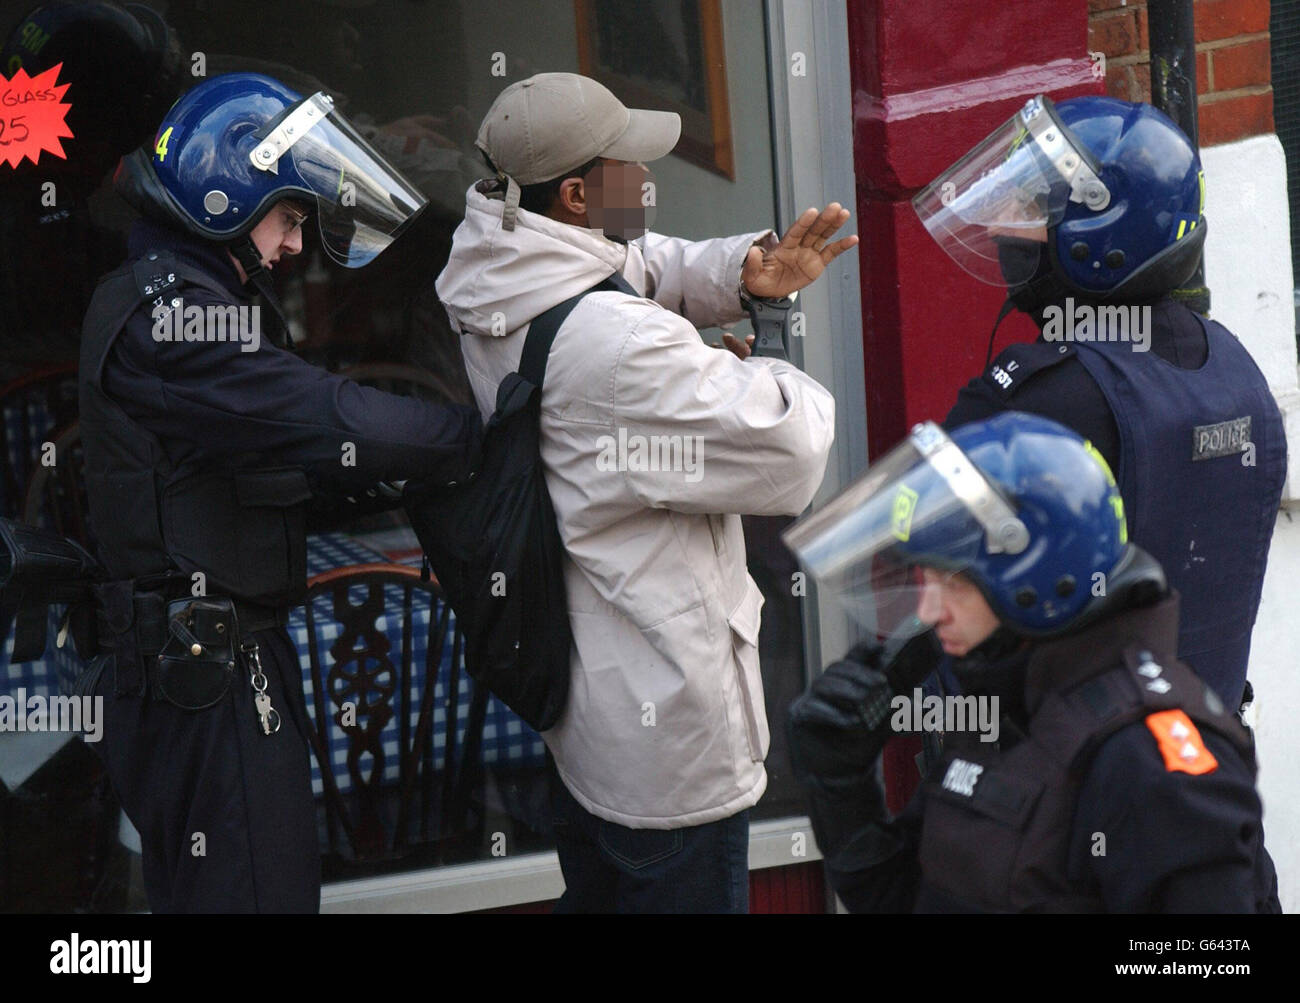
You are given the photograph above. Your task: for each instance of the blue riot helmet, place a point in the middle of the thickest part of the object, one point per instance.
(1095, 198)
(236, 144)
(1021, 505)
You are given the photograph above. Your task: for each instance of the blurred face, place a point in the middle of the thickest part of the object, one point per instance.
(954, 606)
(615, 197)
(621, 199)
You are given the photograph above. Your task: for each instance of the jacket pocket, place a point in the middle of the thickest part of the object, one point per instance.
(245, 531)
(744, 623)
(273, 555)
(980, 847)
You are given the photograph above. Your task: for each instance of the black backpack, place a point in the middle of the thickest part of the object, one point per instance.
(495, 549)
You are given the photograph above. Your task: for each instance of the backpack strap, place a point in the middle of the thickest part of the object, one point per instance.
(545, 326)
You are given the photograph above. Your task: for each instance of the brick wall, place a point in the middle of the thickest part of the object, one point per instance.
(1232, 61)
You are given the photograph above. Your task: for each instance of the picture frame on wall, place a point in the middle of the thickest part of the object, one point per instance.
(667, 55)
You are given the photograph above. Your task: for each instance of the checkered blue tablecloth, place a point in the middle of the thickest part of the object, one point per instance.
(26, 424)
(47, 676)
(506, 739)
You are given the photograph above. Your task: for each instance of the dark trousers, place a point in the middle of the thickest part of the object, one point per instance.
(609, 868)
(226, 815)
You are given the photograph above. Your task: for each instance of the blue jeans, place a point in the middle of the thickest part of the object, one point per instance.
(609, 868)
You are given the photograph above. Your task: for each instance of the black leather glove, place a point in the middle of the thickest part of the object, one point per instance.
(838, 728)
(836, 731)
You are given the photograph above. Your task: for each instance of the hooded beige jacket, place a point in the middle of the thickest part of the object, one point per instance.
(654, 444)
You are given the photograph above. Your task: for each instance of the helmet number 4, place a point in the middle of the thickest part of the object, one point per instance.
(161, 148)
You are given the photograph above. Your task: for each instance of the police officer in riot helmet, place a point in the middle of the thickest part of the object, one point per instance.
(205, 437)
(1091, 214)
(1115, 779)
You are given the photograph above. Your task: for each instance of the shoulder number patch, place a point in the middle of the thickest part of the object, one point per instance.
(1180, 743)
(1017, 363)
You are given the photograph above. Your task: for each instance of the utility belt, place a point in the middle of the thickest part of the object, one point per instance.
(161, 640)
(184, 649)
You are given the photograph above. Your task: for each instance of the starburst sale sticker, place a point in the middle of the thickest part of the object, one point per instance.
(32, 114)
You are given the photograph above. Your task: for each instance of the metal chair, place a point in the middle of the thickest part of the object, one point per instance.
(358, 686)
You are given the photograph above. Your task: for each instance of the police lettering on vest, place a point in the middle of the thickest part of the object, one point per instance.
(962, 777)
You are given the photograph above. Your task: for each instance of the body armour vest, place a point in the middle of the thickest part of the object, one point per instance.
(242, 528)
(998, 825)
(1202, 465)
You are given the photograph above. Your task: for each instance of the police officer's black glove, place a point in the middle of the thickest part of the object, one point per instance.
(836, 732)
(838, 728)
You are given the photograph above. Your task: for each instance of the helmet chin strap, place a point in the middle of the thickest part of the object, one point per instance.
(1040, 292)
(1042, 288)
(248, 256)
(250, 260)
(1007, 307)
(1032, 298)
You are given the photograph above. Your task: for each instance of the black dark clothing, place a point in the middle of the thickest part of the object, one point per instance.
(200, 458)
(1016, 826)
(210, 400)
(198, 427)
(226, 815)
(1050, 380)
(1197, 446)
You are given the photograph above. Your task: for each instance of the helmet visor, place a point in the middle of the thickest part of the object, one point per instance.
(917, 517)
(363, 202)
(1012, 187)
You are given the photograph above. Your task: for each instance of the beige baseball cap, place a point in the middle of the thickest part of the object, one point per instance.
(550, 123)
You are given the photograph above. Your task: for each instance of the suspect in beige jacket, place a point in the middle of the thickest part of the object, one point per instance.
(665, 725)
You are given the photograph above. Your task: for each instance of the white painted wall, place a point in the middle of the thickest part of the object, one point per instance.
(1248, 268)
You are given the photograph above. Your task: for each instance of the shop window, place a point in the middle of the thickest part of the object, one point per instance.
(417, 77)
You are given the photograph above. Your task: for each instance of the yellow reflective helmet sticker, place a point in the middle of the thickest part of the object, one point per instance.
(1095, 453)
(900, 523)
(1116, 502)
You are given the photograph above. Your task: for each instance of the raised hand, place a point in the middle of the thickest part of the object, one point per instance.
(803, 254)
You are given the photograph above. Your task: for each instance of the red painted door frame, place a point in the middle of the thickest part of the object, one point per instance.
(930, 79)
